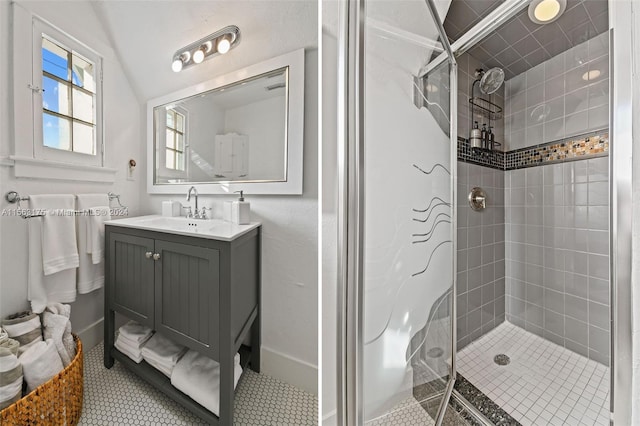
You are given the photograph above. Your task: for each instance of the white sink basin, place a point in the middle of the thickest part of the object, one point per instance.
(204, 228)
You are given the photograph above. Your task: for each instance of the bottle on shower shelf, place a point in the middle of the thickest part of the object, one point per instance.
(475, 138)
(490, 139)
(483, 134)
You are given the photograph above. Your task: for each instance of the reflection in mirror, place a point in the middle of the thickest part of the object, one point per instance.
(235, 133)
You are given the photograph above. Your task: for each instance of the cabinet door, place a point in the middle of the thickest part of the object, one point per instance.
(187, 294)
(131, 275)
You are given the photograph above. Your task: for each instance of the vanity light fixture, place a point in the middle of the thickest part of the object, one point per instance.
(214, 44)
(546, 11)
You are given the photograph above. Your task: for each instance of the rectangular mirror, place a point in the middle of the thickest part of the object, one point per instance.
(238, 131)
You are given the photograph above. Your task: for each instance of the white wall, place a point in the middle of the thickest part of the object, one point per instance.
(259, 121)
(556, 99)
(289, 262)
(122, 114)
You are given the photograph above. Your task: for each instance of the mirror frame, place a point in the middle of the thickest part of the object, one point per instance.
(292, 185)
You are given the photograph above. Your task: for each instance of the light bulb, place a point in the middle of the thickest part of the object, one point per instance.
(223, 46)
(546, 10)
(591, 75)
(198, 56)
(176, 66)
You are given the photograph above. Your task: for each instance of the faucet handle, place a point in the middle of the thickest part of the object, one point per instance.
(203, 212)
(189, 211)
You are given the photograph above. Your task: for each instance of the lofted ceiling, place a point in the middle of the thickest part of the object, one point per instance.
(146, 34)
(521, 44)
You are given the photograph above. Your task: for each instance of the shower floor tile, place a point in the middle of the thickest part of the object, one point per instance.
(119, 397)
(544, 384)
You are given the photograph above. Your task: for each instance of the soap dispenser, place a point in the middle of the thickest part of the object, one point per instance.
(240, 210)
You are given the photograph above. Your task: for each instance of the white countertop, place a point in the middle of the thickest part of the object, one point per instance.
(213, 229)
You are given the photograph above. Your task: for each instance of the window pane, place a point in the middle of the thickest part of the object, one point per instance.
(170, 115)
(55, 96)
(179, 161)
(83, 140)
(56, 132)
(170, 159)
(170, 143)
(180, 142)
(82, 106)
(180, 122)
(82, 73)
(54, 59)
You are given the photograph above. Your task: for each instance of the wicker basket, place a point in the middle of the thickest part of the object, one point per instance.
(56, 402)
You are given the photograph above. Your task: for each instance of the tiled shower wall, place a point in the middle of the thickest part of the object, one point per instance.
(557, 263)
(562, 97)
(481, 254)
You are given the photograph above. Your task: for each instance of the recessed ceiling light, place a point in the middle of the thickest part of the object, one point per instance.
(546, 11)
(591, 75)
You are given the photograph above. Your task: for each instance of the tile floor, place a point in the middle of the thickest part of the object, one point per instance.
(119, 397)
(406, 413)
(544, 384)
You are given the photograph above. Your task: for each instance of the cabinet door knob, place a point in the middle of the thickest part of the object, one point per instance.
(156, 256)
(148, 255)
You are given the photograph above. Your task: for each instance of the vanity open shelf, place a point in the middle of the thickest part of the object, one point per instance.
(197, 290)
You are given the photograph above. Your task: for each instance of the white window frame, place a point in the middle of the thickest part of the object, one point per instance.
(165, 172)
(41, 151)
(27, 157)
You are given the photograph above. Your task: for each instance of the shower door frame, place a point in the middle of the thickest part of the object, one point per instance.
(351, 89)
(620, 185)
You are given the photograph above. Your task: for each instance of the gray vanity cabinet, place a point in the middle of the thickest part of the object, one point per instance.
(132, 272)
(200, 292)
(187, 285)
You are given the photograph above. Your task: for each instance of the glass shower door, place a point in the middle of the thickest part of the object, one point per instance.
(406, 167)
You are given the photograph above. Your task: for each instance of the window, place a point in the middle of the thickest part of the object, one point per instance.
(175, 158)
(67, 104)
(68, 99)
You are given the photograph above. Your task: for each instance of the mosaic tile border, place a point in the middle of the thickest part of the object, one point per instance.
(483, 403)
(580, 147)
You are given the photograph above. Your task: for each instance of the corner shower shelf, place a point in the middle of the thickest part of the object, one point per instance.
(485, 108)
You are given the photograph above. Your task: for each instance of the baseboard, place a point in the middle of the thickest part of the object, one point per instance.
(296, 372)
(92, 335)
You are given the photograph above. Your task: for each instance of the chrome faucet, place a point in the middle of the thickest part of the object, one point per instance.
(195, 193)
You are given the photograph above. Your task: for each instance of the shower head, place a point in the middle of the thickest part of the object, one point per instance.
(490, 81)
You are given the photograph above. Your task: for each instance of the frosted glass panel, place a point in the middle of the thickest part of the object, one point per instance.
(408, 232)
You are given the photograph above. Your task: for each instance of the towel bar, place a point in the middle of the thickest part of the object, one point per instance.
(13, 197)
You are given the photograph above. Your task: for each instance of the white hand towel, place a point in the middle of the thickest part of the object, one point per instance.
(163, 351)
(199, 377)
(95, 232)
(43, 289)
(40, 363)
(59, 245)
(90, 275)
(135, 332)
(160, 367)
(58, 328)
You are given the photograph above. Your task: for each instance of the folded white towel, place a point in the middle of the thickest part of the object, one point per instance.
(58, 328)
(24, 327)
(90, 275)
(128, 350)
(43, 289)
(160, 367)
(163, 351)
(10, 378)
(40, 363)
(59, 245)
(199, 377)
(95, 232)
(10, 345)
(135, 332)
